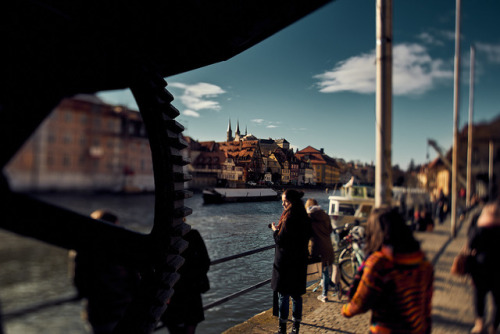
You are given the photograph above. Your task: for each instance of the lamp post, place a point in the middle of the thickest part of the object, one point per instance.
(383, 130)
(456, 100)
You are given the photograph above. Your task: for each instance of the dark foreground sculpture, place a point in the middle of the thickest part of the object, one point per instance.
(56, 49)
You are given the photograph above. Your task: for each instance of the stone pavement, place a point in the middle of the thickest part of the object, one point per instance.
(452, 303)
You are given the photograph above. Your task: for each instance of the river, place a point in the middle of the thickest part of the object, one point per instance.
(32, 272)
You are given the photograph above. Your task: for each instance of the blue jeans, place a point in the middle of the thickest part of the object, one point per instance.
(325, 269)
(284, 307)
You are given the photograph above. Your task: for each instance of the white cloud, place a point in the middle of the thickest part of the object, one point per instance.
(200, 96)
(428, 38)
(355, 74)
(191, 113)
(448, 34)
(258, 120)
(414, 72)
(492, 51)
(266, 123)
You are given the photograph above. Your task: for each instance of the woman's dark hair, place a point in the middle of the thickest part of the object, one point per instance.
(295, 209)
(387, 227)
(294, 196)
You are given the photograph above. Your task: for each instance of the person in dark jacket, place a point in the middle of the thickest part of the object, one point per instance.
(107, 284)
(185, 308)
(484, 270)
(291, 235)
(322, 246)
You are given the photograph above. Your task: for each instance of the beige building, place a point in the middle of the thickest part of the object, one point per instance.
(85, 144)
(325, 168)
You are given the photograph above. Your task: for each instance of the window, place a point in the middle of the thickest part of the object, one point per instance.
(51, 138)
(66, 160)
(50, 159)
(110, 125)
(97, 123)
(83, 140)
(67, 138)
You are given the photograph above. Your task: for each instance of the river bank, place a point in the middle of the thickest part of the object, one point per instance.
(34, 272)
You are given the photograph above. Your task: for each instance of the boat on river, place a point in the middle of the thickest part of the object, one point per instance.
(350, 203)
(233, 195)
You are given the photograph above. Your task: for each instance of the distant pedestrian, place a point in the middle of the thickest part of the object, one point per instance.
(107, 285)
(185, 308)
(396, 282)
(322, 246)
(291, 235)
(424, 220)
(441, 206)
(484, 269)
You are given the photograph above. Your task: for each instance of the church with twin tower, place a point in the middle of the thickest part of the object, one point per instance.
(237, 134)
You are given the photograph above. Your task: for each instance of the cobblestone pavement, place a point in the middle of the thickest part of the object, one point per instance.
(452, 303)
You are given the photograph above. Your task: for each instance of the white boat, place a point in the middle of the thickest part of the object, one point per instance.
(351, 203)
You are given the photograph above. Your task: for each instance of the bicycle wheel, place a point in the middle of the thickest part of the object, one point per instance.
(348, 268)
(345, 254)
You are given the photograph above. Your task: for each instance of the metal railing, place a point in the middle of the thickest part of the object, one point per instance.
(64, 300)
(244, 291)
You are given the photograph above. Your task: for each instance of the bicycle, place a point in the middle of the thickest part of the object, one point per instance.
(352, 255)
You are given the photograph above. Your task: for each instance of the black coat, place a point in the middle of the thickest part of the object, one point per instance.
(291, 254)
(484, 267)
(186, 305)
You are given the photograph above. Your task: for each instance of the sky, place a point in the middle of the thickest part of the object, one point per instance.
(313, 83)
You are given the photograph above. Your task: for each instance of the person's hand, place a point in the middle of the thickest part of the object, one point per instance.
(273, 226)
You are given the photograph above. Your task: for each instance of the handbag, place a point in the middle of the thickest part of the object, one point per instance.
(462, 262)
(314, 271)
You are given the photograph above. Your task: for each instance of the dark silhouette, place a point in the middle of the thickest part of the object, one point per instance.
(441, 206)
(424, 221)
(289, 277)
(107, 285)
(185, 308)
(484, 234)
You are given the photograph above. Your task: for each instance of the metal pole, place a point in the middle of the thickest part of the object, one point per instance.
(456, 93)
(490, 172)
(469, 128)
(383, 131)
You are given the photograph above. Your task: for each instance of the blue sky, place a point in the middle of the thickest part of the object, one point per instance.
(313, 83)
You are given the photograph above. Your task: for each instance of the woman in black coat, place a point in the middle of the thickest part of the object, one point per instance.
(291, 236)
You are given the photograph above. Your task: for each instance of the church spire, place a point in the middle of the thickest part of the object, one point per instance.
(237, 135)
(229, 132)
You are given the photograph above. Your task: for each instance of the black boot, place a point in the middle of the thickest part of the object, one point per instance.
(295, 327)
(282, 328)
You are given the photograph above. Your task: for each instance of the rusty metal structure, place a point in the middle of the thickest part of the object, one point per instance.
(54, 49)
